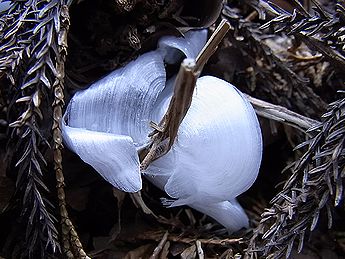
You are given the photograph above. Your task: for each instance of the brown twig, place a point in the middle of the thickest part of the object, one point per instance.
(281, 114)
(158, 235)
(199, 249)
(212, 45)
(178, 107)
(181, 99)
(160, 246)
(139, 203)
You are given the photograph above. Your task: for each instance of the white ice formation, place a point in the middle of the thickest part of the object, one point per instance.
(217, 152)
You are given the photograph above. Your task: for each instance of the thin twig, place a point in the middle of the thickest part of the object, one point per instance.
(158, 235)
(212, 44)
(281, 114)
(139, 203)
(199, 249)
(178, 107)
(165, 251)
(160, 246)
(181, 100)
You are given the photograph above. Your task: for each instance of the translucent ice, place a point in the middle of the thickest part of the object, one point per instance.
(217, 152)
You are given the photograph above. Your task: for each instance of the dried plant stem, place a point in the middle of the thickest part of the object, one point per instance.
(181, 100)
(281, 114)
(158, 236)
(199, 250)
(212, 44)
(139, 203)
(178, 107)
(160, 246)
(69, 235)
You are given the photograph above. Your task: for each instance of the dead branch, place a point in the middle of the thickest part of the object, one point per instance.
(281, 114)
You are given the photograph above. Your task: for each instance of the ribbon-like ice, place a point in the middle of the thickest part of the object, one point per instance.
(217, 152)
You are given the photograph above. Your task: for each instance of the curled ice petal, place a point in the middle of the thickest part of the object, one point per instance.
(109, 121)
(218, 149)
(113, 156)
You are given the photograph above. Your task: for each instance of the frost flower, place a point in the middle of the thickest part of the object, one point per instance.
(217, 152)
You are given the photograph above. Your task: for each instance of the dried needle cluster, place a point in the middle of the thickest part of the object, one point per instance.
(322, 30)
(316, 181)
(33, 50)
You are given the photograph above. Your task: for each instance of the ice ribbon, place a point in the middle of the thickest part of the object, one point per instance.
(118, 109)
(215, 157)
